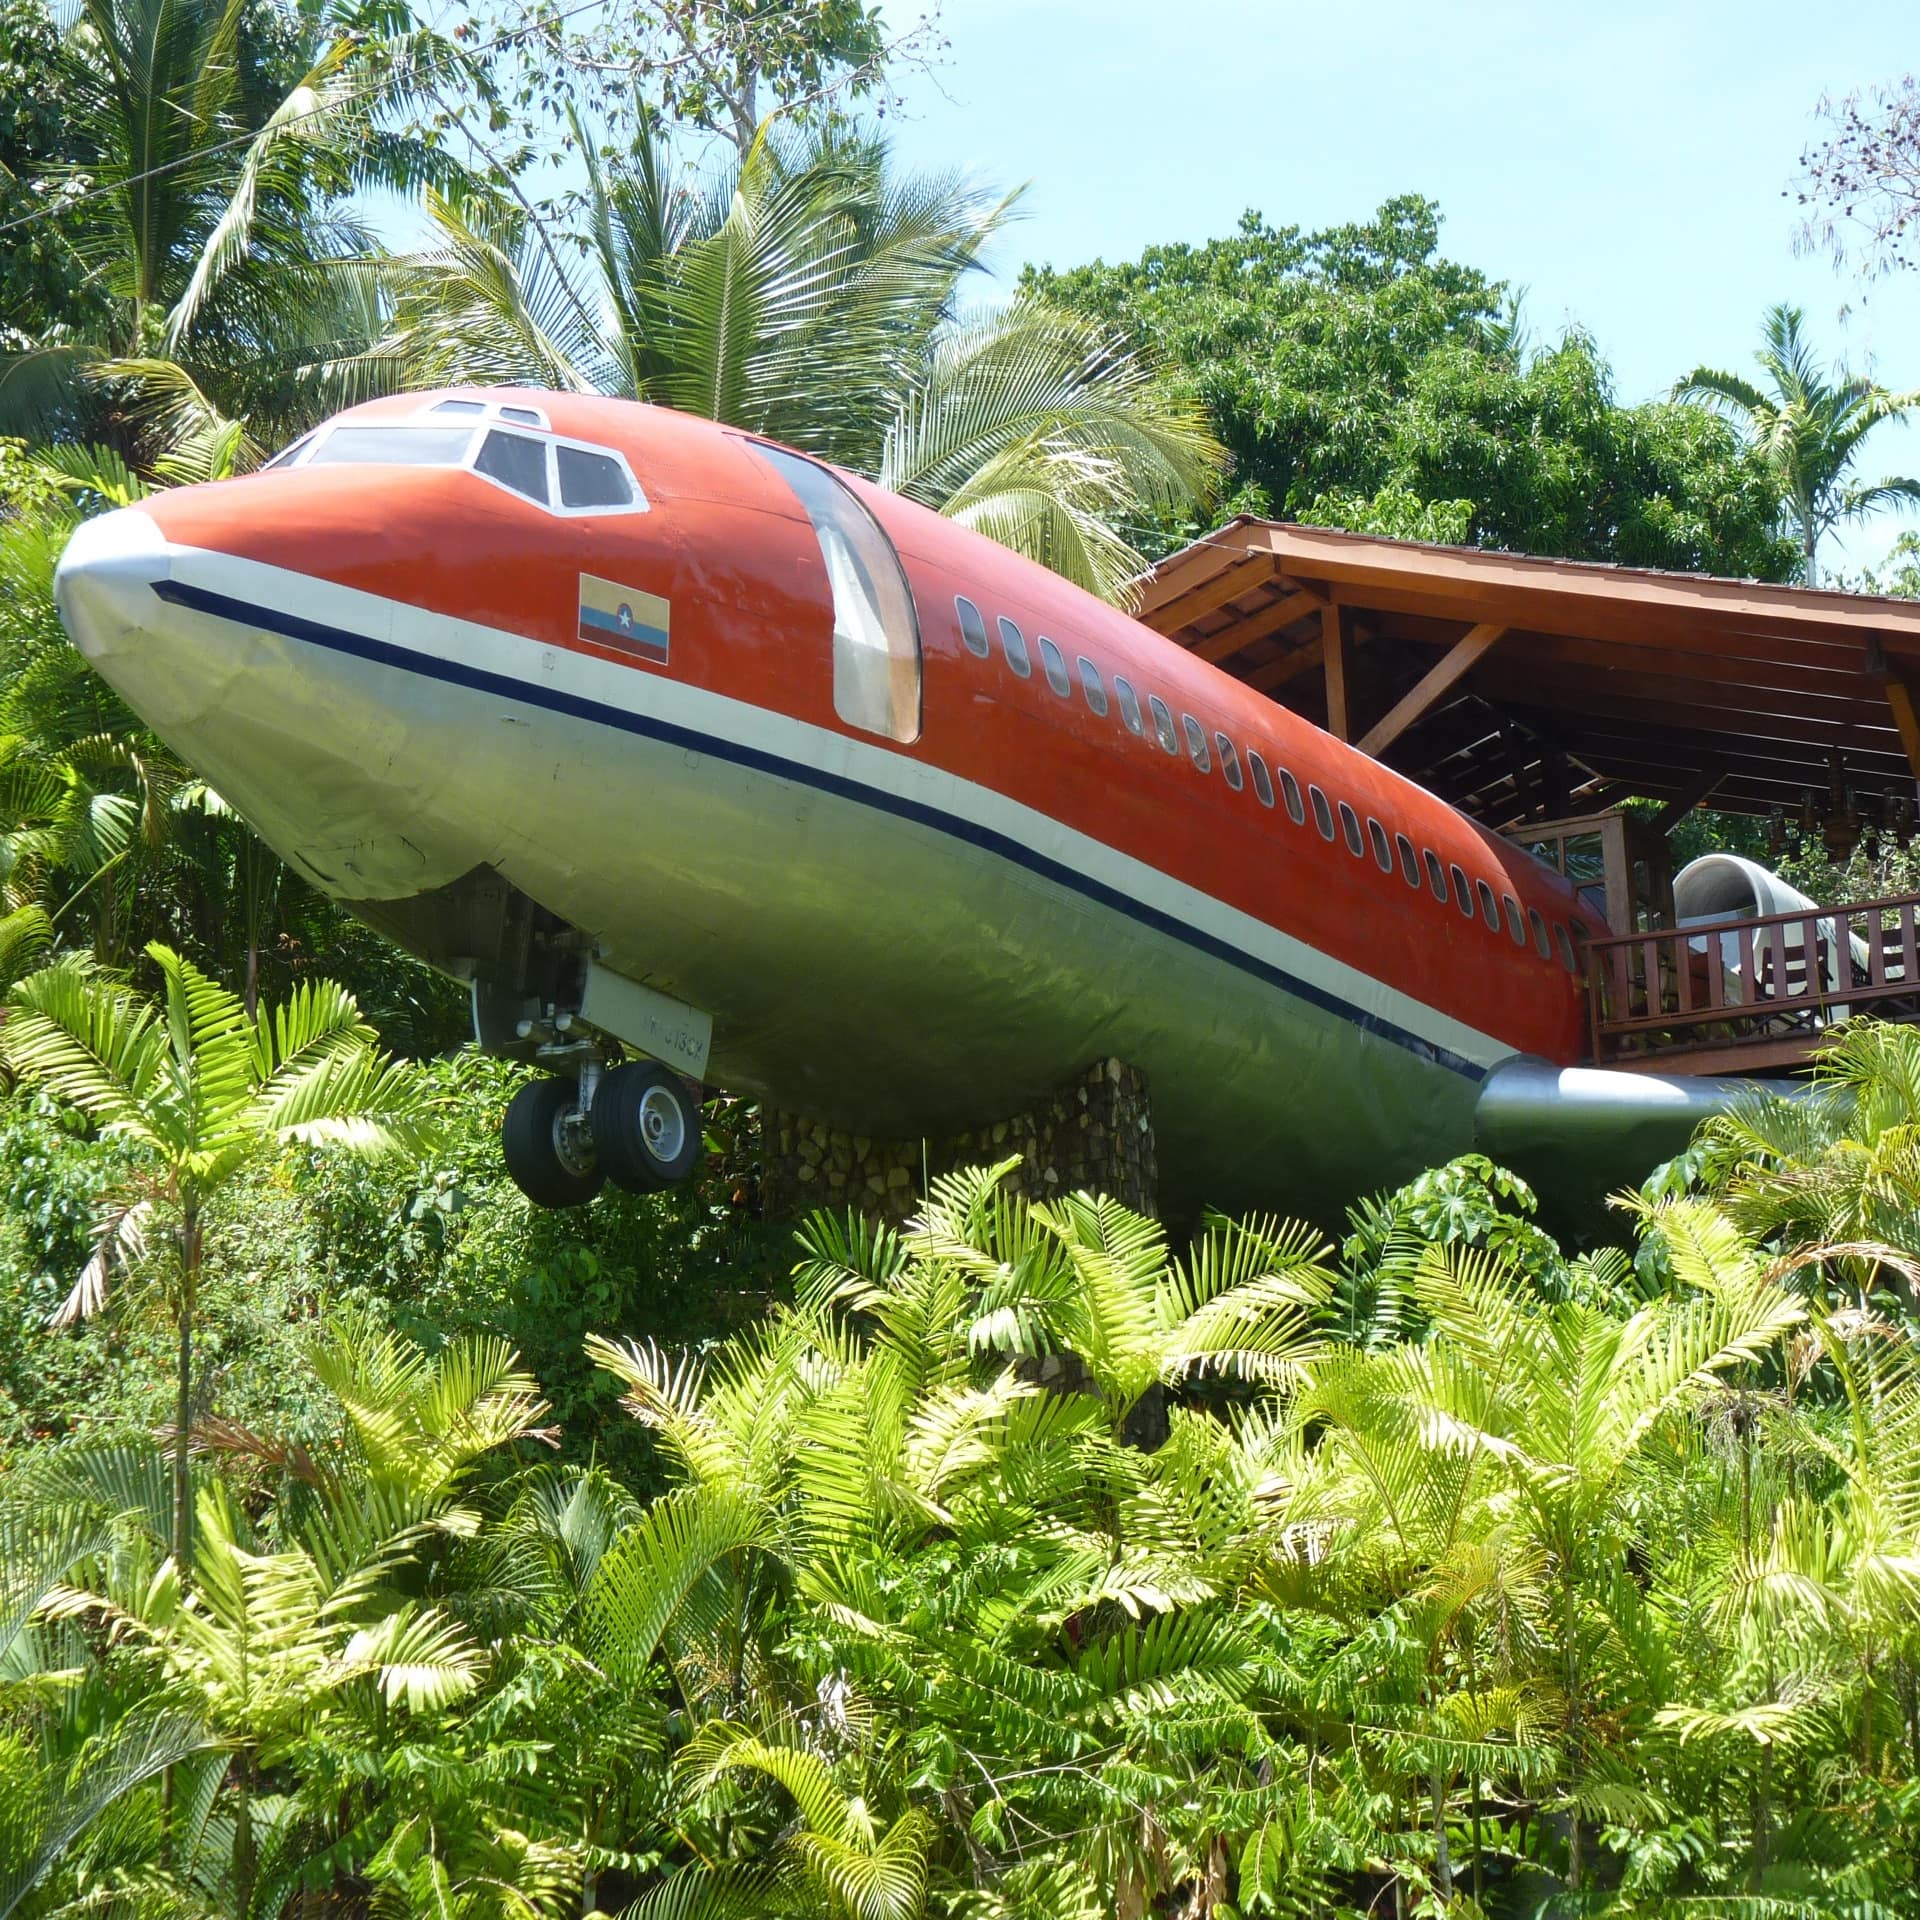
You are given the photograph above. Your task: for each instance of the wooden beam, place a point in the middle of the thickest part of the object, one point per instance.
(1244, 629)
(1333, 646)
(1689, 797)
(1276, 673)
(1579, 598)
(1207, 596)
(1436, 681)
(1900, 699)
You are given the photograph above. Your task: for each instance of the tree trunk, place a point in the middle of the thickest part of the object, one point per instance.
(1442, 1860)
(245, 1862)
(183, 1409)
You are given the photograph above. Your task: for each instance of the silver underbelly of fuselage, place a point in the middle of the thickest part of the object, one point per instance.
(880, 944)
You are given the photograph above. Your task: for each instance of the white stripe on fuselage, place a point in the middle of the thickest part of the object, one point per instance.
(898, 775)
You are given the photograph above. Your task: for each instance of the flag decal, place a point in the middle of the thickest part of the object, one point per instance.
(615, 616)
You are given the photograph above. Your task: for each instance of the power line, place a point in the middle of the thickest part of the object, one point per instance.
(247, 139)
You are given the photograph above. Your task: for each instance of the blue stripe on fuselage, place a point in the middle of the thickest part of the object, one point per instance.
(502, 686)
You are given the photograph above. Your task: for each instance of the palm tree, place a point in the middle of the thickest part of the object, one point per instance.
(1809, 428)
(305, 1632)
(810, 295)
(201, 1088)
(213, 215)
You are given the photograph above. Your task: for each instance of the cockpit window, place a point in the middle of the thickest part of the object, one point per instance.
(561, 476)
(393, 447)
(288, 455)
(876, 636)
(516, 462)
(592, 480)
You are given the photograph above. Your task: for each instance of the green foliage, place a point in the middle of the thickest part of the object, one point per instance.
(1359, 378)
(442, 1247)
(451, 1246)
(205, 198)
(199, 1087)
(41, 282)
(1019, 1567)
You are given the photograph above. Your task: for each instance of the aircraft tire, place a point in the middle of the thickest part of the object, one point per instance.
(646, 1127)
(531, 1143)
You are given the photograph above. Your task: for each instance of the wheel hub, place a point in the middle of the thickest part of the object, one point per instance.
(662, 1123)
(573, 1140)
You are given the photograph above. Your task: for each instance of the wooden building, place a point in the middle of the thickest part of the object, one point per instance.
(1519, 688)
(1537, 695)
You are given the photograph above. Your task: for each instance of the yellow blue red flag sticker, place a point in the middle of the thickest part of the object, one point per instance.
(624, 617)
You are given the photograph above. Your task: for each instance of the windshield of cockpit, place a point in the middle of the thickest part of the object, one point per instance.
(510, 446)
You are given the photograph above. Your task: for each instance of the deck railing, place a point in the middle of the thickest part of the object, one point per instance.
(1736, 982)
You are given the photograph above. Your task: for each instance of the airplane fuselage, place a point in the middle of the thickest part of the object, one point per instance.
(914, 878)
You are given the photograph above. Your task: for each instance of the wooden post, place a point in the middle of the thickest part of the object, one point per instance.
(1334, 651)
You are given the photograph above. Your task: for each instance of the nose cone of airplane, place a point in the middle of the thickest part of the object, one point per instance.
(105, 582)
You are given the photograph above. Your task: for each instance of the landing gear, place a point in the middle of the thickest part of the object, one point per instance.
(646, 1127)
(637, 1125)
(548, 1145)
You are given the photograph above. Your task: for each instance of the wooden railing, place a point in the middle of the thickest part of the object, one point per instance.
(1738, 982)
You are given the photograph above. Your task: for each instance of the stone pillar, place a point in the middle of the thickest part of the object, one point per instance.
(1094, 1135)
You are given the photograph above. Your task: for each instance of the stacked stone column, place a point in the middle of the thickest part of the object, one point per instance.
(1094, 1135)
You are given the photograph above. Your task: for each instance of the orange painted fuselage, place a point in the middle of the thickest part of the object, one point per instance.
(890, 934)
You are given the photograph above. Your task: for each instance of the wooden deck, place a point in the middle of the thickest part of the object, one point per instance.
(1744, 996)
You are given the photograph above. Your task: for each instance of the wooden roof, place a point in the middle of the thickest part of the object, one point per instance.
(1516, 687)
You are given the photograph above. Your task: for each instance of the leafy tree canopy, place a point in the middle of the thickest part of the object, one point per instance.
(1362, 379)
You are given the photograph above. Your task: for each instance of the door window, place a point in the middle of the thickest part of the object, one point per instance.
(876, 639)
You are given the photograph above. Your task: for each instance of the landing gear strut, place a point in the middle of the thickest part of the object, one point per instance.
(637, 1125)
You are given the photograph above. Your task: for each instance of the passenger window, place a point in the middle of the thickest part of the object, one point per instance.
(516, 462)
(1462, 892)
(1054, 662)
(1262, 780)
(1350, 826)
(1322, 813)
(1163, 723)
(598, 480)
(1229, 761)
(1197, 742)
(1377, 838)
(1539, 927)
(1409, 860)
(973, 630)
(1565, 945)
(876, 638)
(1436, 875)
(1014, 644)
(1489, 906)
(1516, 926)
(1129, 704)
(1290, 792)
(1093, 688)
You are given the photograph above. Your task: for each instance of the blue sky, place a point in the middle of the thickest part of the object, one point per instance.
(1624, 163)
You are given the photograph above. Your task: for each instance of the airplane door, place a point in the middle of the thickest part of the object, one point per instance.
(876, 637)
